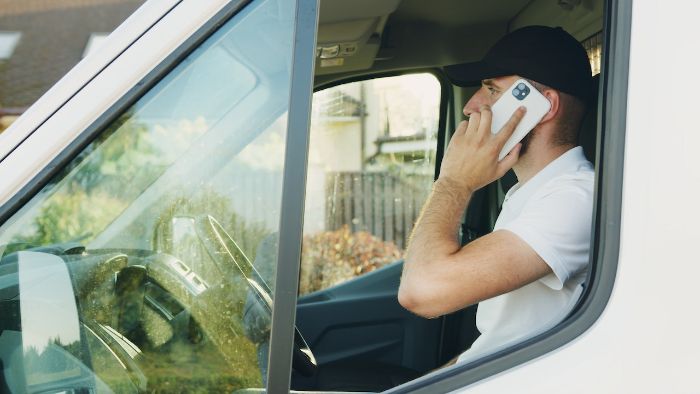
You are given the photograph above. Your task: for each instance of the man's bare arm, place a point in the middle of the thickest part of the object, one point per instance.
(439, 276)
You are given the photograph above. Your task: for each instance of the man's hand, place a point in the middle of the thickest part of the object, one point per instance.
(471, 161)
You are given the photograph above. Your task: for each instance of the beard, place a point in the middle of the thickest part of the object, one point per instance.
(526, 142)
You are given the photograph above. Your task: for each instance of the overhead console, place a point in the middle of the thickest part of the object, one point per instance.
(349, 34)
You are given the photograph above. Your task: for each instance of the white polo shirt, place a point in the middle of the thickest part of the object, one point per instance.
(552, 213)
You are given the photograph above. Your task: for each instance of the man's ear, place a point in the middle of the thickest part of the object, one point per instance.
(553, 97)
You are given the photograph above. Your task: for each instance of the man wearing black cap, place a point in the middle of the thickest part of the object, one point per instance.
(528, 273)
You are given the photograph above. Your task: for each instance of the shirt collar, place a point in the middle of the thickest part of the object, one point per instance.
(572, 160)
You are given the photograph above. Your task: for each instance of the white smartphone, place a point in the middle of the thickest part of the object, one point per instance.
(521, 93)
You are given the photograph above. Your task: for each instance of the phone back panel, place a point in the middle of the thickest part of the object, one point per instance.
(521, 93)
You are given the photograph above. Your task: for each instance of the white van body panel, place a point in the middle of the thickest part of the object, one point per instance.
(647, 339)
(90, 101)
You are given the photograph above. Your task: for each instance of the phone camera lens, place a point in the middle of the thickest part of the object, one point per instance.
(520, 92)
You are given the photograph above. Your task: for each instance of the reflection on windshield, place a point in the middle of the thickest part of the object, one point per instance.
(47, 306)
(48, 311)
(50, 329)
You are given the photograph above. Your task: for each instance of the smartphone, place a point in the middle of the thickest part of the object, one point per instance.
(521, 93)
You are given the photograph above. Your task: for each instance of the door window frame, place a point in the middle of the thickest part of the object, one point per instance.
(291, 226)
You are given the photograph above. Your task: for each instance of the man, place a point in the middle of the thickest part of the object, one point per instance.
(528, 273)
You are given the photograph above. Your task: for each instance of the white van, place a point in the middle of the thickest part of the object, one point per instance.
(218, 200)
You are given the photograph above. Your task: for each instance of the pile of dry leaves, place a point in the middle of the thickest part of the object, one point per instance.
(332, 257)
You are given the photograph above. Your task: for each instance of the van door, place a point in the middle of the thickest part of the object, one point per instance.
(132, 215)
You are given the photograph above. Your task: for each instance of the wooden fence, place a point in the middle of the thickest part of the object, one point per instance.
(377, 202)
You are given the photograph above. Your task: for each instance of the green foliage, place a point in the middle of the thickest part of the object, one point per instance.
(90, 191)
(71, 216)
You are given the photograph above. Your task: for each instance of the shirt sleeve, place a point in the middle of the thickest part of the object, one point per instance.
(556, 224)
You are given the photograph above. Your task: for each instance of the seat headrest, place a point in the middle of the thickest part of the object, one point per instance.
(589, 127)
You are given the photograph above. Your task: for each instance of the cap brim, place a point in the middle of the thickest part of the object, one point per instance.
(471, 74)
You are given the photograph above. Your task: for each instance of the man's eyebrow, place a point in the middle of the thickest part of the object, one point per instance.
(488, 83)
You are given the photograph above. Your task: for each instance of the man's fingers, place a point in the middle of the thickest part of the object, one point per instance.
(474, 121)
(485, 123)
(509, 127)
(462, 127)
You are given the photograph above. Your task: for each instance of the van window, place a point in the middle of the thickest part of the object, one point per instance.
(371, 166)
(131, 270)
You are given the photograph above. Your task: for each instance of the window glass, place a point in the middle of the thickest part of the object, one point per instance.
(594, 49)
(132, 269)
(371, 166)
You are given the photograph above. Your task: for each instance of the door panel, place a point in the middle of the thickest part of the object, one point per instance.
(361, 321)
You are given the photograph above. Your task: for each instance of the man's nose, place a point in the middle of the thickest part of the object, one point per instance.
(474, 103)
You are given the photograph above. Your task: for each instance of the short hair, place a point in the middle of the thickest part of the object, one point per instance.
(573, 109)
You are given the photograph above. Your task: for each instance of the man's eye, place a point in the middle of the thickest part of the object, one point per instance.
(492, 91)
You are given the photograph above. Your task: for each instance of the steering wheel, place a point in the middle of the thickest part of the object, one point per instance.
(232, 262)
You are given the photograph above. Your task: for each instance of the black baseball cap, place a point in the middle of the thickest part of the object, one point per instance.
(548, 55)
